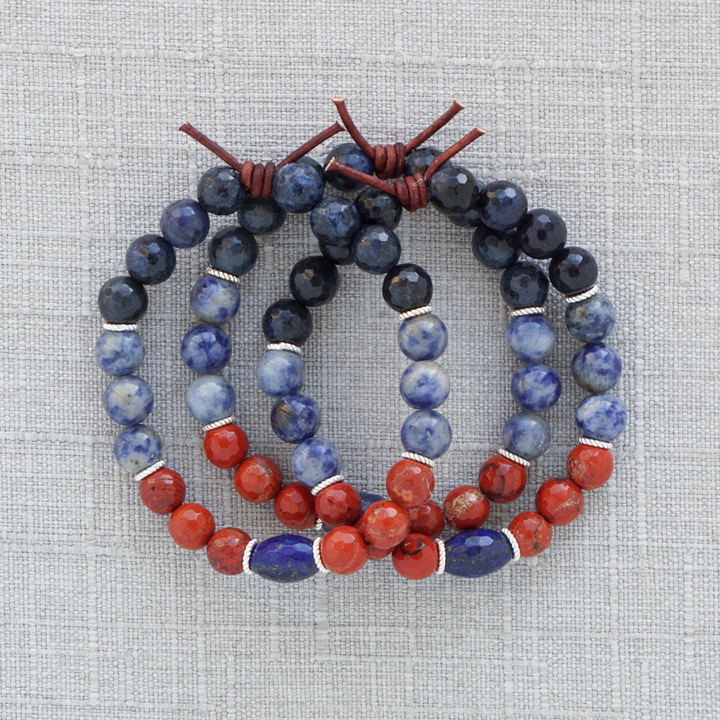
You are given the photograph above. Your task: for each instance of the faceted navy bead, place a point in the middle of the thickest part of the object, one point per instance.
(427, 433)
(424, 385)
(573, 271)
(535, 387)
(453, 190)
(494, 248)
(376, 249)
(287, 321)
(597, 367)
(468, 220)
(206, 349)
(119, 353)
(214, 300)
(314, 281)
(502, 205)
(122, 300)
(150, 260)
(477, 552)
(530, 338)
(280, 372)
(128, 400)
(298, 187)
(295, 418)
(590, 320)
(527, 435)
(420, 159)
(541, 233)
(210, 398)
(378, 208)
(284, 558)
(137, 448)
(261, 216)
(524, 285)
(601, 417)
(220, 191)
(184, 223)
(407, 287)
(314, 460)
(335, 221)
(351, 155)
(233, 250)
(367, 499)
(305, 160)
(423, 337)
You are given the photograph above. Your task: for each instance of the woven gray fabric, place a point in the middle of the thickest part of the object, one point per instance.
(607, 112)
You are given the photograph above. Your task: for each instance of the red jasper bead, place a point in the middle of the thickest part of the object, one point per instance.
(385, 524)
(466, 508)
(532, 532)
(376, 553)
(502, 480)
(226, 446)
(410, 483)
(416, 557)
(258, 479)
(163, 491)
(225, 550)
(338, 504)
(589, 467)
(559, 501)
(295, 506)
(428, 519)
(344, 550)
(191, 526)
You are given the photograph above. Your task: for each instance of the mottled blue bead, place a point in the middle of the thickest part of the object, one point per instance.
(280, 372)
(590, 320)
(298, 187)
(426, 432)
(407, 287)
(150, 260)
(284, 558)
(220, 191)
(468, 220)
(424, 385)
(376, 249)
(530, 338)
(420, 159)
(453, 190)
(536, 387)
(601, 417)
(122, 300)
(527, 435)
(119, 353)
(473, 553)
(573, 270)
(423, 337)
(287, 321)
(315, 460)
(494, 248)
(233, 250)
(367, 499)
(351, 155)
(295, 418)
(378, 208)
(541, 233)
(502, 205)
(214, 300)
(210, 398)
(335, 221)
(137, 448)
(524, 285)
(261, 217)
(314, 281)
(206, 349)
(184, 223)
(597, 367)
(128, 400)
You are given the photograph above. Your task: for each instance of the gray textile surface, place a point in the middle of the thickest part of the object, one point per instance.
(607, 112)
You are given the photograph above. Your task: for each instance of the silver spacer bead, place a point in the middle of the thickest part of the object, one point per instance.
(424, 310)
(318, 526)
(327, 483)
(246, 557)
(595, 443)
(222, 275)
(149, 471)
(527, 311)
(514, 543)
(441, 557)
(285, 346)
(318, 559)
(419, 458)
(582, 296)
(118, 327)
(515, 458)
(219, 423)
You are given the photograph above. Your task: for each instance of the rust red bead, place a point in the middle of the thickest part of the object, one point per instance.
(339, 504)
(466, 508)
(258, 479)
(502, 480)
(344, 550)
(163, 491)
(428, 519)
(532, 532)
(226, 446)
(376, 553)
(385, 524)
(191, 526)
(559, 501)
(589, 467)
(295, 506)
(416, 557)
(410, 483)
(225, 550)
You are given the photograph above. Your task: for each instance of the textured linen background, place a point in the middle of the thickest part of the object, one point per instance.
(607, 112)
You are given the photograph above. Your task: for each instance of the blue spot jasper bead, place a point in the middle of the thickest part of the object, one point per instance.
(597, 367)
(315, 460)
(590, 320)
(295, 418)
(424, 385)
(214, 300)
(453, 190)
(233, 250)
(184, 223)
(477, 552)
(524, 285)
(220, 191)
(423, 337)
(527, 435)
(426, 432)
(535, 387)
(280, 372)
(285, 558)
(298, 187)
(261, 216)
(530, 338)
(206, 349)
(494, 248)
(502, 205)
(128, 400)
(351, 155)
(210, 398)
(376, 250)
(601, 417)
(119, 353)
(122, 300)
(335, 221)
(150, 260)
(137, 448)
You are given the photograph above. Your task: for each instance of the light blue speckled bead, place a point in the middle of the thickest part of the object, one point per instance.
(280, 372)
(423, 337)
(295, 418)
(315, 460)
(214, 300)
(590, 320)
(601, 417)
(597, 367)
(527, 435)
(535, 387)
(424, 385)
(119, 353)
(128, 400)
(210, 398)
(137, 448)
(206, 349)
(530, 338)
(426, 432)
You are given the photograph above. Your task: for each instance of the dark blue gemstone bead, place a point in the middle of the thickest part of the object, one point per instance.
(494, 248)
(351, 155)
(261, 217)
(305, 160)
(184, 223)
(287, 321)
(368, 498)
(453, 190)
(524, 285)
(233, 250)
(298, 187)
(468, 220)
(601, 417)
(295, 418)
(220, 191)
(502, 205)
(122, 300)
(119, 353)
(420, 159)
(541, 233)
(378, 208)
(206, 349)
(407, 287)
(597, 367)
(150, 260)
(573, 271)
(590, 320)
(284, 558)
(335, 221)
(376, 249)
(473, 553)
(314, 281)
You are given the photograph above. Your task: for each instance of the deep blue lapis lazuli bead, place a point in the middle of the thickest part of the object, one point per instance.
(214, 300)
(541, 233)
(128, 400)
(494, 248)
(314, 280)
(424, 385)
(184, 223)
(220, 191)
(573, 271)
(298, 187)
(601, 417)
(119, 353)
(530, 338)
(287, 321)
(527, 435)
(210, 398)
(351, 155)
(423, 337)
(137, 447)
(206, 349)
(407, 287)
(295, 418)
(150, 260)
(427, 433)
(122, 300)
(284, 558)
(597, 367)
(280, 372)
(420, 159)
(376, 249)
(314, 460)
(453, 190)
(477, 552)
(233, 250)
(335, 221)
(261, 216)
(524, 285)
(502, 205)
(535, 387)
(378, 208)
(592, 319)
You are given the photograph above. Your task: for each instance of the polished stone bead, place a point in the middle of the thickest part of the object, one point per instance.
(206, 349)
(559, 501)
(137, 447)
(453, 190)
(375, 553)
(427, 433)
(315, 460)
(287, 321)
(295, 418)
(314, 281)
(410, 483)
(535, 387)
(210, 398)
(416, 557)
(601, 417)
(524, 285)
(407, 287)
(226, 550)
(368, 498)
(530, 338)
(344, 550)
(122, 300)
(119, 353)
(589, 467)
(596, 367)
(295, 507)
(532, 532)
(428, 519)
(258, 479)
(226, 447)
(298, 187)
(233, 250)
(191, 526)
(573, 271)
(541, 233)
(376, 249)
(339, 504)
(378, 208)
(502, 205)
(220, 191)
(477, 552)
(280, 372)
(527, 435)
(162, 491)
(494, 248)
(468, 220)
(261, 216)
(285, 558)
(335, 221)
(385, 524)
(311, 162)
(423, 337)
(184, 223)
(502, 480)
(465, 507)
(128, 400)
(424, 385)
(150, 260)
(590, 320)
(214, 300)
(351, 155)
(420, 159)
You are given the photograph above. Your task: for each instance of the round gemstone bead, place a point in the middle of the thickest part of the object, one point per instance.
(573, 271)
(423, 337)
(137, 448)
(378, 208)
(261, 216)
(590, 320)
(410, 483)
(280, 372)
(478, 552)
(420, 159)
(535, 387)
(427, 433)
(150, 260)
(532, 532)
(307, 160)
(258, 479)
(494, 248)
(315, 460)
(385, 524)
(128, 400)
(295, 506)
(214, 300)
(367, 499)
(428, 519)
(416, 557)
(287, 321)
(559, 501)
(453, 190)
(314, 281)
(502, 205)
(351, 155)
(376, 249)
(589, 467)
(119, 353)
(524, 285)
(298, 187)
(468, 220)
(502, 480)
(335, 221)
(424, 385)
(233, 250)
(407, 287)
(284, 558)
(344, 550)
(206, 349)
(220, 191)
(375, 553)
(225, 550)
(530, 338)
(210, 398)
(465, 508)
(541, 233)
(226, 446)
(163, 491)
(184, 223)
(527, 435)
(122, 300)
(596, 367)
(191, 526)
(601, 417)
(295, 418)
(338, 504)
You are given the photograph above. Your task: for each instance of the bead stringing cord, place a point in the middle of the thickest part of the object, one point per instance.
(595, 443)
(527, 311)
(219, 423)
(149, 471)
(285, 346)
(222, 275)
(416, 312)
(318, 558)
(515, 458)
(441, 557)
(513, 542)
(570, 299)
(327, 483)
(117, 327)
(246, 557)
(419, 458)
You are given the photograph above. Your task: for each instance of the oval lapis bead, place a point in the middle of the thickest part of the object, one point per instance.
(284, 558)
(478, 552)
